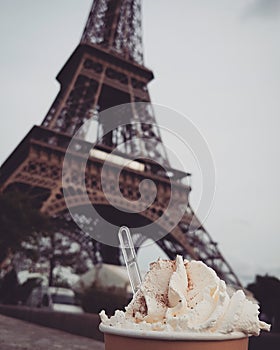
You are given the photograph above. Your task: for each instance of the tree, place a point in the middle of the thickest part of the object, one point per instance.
(20, 221)
(59, 250)
(35, 238)
(266, 290)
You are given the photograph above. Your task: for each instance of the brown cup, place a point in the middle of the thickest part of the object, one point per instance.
(120, 339)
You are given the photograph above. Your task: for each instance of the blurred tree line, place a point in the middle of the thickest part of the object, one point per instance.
(27, 234)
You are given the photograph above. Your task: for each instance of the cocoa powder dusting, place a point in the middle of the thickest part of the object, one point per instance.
(190, 283)
(143, 306)
(173, 265)
(162, 299)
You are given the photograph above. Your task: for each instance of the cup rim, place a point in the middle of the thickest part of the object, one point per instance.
(170, 335)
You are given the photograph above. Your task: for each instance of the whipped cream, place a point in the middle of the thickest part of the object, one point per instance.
(187, 296)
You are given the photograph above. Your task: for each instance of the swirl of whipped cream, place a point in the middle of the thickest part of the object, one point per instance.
(187, 296)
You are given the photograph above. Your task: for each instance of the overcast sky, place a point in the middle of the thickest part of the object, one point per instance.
(215, 61)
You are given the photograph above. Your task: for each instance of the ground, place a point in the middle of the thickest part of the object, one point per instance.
(20, 335)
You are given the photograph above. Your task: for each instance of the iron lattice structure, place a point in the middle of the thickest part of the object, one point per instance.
(104, 71)
(116, 26)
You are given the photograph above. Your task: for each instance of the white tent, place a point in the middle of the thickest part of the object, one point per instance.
(104, 276)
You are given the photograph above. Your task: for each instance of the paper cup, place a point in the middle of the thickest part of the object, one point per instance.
(124, 339)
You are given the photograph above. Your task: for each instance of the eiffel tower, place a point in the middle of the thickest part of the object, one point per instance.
(106, 70)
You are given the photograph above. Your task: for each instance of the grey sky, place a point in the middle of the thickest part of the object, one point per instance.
(215, 61)
(263, 8)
